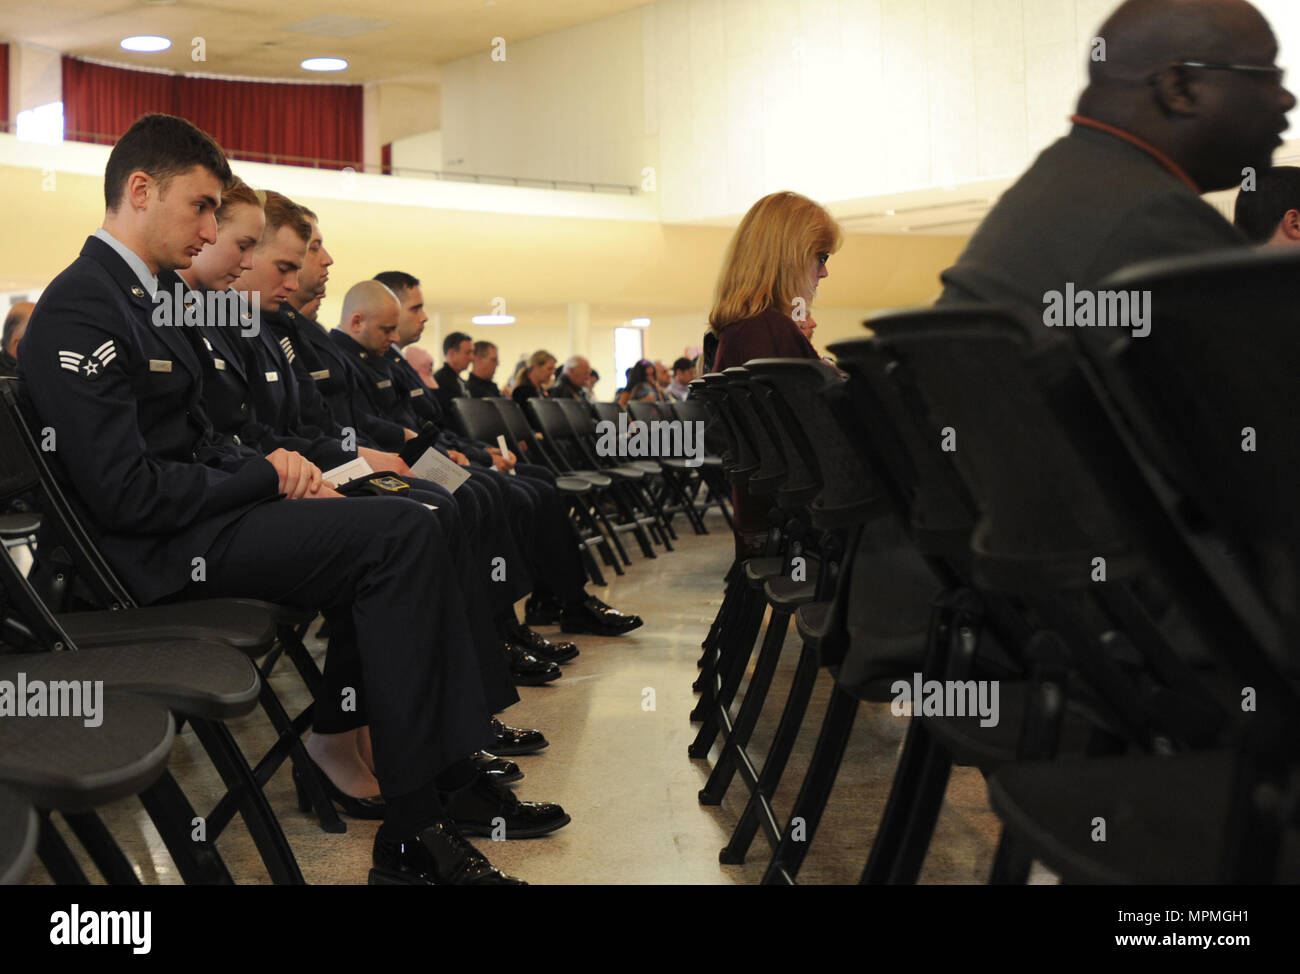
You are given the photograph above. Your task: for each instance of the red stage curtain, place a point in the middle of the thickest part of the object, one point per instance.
(4, 87)
(286, 123)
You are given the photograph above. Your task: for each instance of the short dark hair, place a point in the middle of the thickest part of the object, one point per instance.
(683, 363)
(454, 340)
(397, 281)
(1261, 209)
(162, 146)
(480, 348)
(14, 316)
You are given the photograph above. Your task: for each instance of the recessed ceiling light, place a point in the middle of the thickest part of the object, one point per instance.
(638, 322)
(324, 64)
(889, 213)
(145, 42)
(493, 319)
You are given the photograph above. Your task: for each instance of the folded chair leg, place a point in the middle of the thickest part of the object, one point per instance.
(1011, 863)
(103, 849)
(750, 708)
(758, 811)
(197, 859)
(815, 791)
(255, 809)
(56, 857)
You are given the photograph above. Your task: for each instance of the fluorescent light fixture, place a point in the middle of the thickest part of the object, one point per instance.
(493, 319)
(41, 124)
(638, 322)
(324, 64)
(146, 43)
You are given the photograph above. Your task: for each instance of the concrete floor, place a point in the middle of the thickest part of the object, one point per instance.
(619, 729)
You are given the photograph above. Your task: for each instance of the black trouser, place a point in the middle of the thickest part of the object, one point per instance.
(554, 551)
(458, 516)
(382, 573)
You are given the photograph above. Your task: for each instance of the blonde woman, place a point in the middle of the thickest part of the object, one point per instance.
(766, 289)
(769, 280)
(534, 376)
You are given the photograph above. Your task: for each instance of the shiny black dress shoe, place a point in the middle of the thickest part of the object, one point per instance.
(438, 855)
(484, 807)
(595, 617)
(516, 740)
(546, 650)
(497, 769)
(528, 670)
(542, 612)
(364, 808)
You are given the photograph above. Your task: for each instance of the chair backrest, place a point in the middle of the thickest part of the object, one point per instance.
(849, 493)
(646, 412)
(758, 427)
(65, 544)
(580, 418)
(1058, 486)
(520, 431)
(1215, 383)
(1040, 504)
(694, 410)
(606, 411)
(479, 419)
(547, 417)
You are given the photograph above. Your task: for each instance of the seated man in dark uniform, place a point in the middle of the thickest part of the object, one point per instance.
(482, 370)
(1186, 98)
(158, 488)
(250, 393)
(457, 352)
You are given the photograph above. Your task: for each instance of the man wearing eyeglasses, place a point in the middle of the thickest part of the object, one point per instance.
(1186, 101)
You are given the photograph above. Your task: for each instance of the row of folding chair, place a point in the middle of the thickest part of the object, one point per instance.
(195, 659)
(990, 514)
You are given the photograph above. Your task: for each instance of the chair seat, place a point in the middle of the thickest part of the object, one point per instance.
(19, 828)
(594, 478)
(60, 763)
(785, 593)
(573, 485)
(647, 466)
(625, 471)
(17, 525)
(990, 748)
(1166, 817)
(247, 625)
(811, 621)
(759, 570)
(210, 680)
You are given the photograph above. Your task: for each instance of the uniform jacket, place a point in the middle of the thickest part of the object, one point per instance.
(154, 483)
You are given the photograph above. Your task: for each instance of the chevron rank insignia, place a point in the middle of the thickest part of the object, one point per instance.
(89, 366)
(288, 348)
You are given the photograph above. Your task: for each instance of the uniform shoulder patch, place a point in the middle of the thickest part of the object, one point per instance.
(88, 366)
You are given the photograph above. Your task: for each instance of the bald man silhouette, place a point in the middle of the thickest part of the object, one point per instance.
(1185, 102)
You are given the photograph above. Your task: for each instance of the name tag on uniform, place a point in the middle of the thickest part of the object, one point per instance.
(321, 375)
(416, 392)
(160, 365)
(386, 383)
(220, 363)
(273, 377)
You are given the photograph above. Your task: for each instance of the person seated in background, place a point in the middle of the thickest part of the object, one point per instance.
(15, 325)
(592, 379)
(534, 377)
(1269, 214)
(481, 371)
(1187, 97)
(661, 378)
(683, 375)
(640, 385)
(762, 293)
(457, 352)
(769, 279)
(508, 390)
(422, 362)
(571, 383)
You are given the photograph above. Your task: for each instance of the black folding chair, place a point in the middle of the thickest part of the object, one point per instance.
(481, 420)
